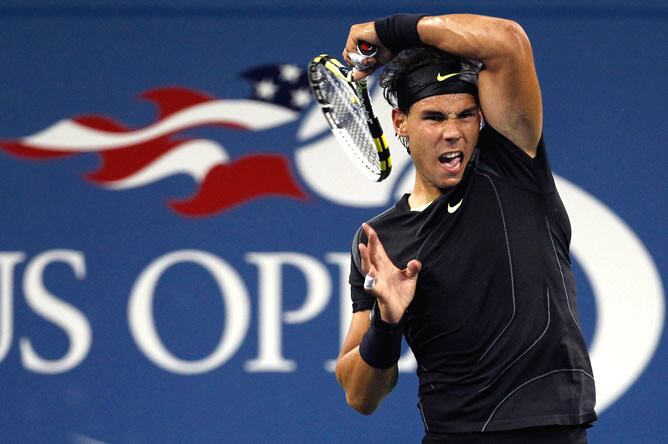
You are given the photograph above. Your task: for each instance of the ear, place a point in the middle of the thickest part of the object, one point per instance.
(399, 121)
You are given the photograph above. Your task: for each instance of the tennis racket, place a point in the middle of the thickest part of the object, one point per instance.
(349, 113)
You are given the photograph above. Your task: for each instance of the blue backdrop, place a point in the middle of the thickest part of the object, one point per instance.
(176, 219)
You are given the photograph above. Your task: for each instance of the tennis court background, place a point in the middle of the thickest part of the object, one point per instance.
(79, 373)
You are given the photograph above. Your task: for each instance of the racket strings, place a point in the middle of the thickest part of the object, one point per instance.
(350, 117)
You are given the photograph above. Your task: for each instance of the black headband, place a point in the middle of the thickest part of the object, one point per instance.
(433, 80)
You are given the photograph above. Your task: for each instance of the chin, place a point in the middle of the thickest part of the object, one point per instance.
(449, 183)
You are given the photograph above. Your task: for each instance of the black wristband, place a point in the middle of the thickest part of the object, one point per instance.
(381, 344)
(398, 32)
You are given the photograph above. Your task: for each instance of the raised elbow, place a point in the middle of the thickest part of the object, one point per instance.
(508, 44)
(512, 37)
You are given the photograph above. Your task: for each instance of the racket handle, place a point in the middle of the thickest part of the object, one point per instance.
(364, 51)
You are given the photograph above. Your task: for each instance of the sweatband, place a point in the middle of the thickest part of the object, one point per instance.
(398, 32)
(433, 80)
(381, 344)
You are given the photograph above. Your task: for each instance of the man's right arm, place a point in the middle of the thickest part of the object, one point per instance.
(365, 386)
(508, 87)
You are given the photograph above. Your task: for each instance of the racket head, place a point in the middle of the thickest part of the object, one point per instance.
(350, 116)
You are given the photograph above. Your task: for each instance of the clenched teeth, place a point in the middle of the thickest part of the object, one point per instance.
(447, 157)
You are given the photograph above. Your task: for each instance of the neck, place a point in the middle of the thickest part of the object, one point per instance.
(422, 195)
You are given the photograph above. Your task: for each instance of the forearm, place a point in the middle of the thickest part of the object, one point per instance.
(482, 38)
(365, 386)
(508, 88)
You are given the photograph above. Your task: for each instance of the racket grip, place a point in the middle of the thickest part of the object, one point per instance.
(364, 51)
(366, 48)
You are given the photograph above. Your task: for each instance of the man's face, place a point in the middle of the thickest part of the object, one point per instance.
(442, 132)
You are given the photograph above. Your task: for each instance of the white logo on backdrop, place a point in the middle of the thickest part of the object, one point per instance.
(627, 289)
(624, 279)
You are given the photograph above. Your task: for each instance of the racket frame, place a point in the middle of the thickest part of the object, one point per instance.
(359, 94)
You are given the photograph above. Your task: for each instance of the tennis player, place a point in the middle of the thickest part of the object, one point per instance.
(473, 266)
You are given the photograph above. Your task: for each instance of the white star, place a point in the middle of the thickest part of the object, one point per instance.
(290, 73)
(266, 89)
(301, 97)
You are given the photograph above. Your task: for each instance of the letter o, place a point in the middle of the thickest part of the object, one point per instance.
(234, 296)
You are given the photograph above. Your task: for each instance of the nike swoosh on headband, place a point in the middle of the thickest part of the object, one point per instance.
(440, 78)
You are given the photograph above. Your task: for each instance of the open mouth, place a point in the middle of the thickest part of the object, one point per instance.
(451, 160)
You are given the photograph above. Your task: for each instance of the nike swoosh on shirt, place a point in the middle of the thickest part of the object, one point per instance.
(453, 208)
(440, 78)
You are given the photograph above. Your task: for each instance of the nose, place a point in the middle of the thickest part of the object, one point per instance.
(451, 130)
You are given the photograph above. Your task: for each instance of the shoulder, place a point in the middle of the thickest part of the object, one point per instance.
(385, 219)
(492, 141)
(504, 159)
(383, 223)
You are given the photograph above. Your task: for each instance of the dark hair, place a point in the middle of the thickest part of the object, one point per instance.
(410, 60)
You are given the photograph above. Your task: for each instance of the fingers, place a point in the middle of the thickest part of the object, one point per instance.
(367, 268)
(351, 46)
(365, 32)
(362, 66)
(364, 255)
(372, 244)
(360, 74)
(413, 268)
(346, 56)
(371, 259)
(374, 256)
(372, 237)
(369, 252)
(362, 31)
(368, 262)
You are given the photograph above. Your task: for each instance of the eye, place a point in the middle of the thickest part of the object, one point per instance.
(468, 114)
(437, 117)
